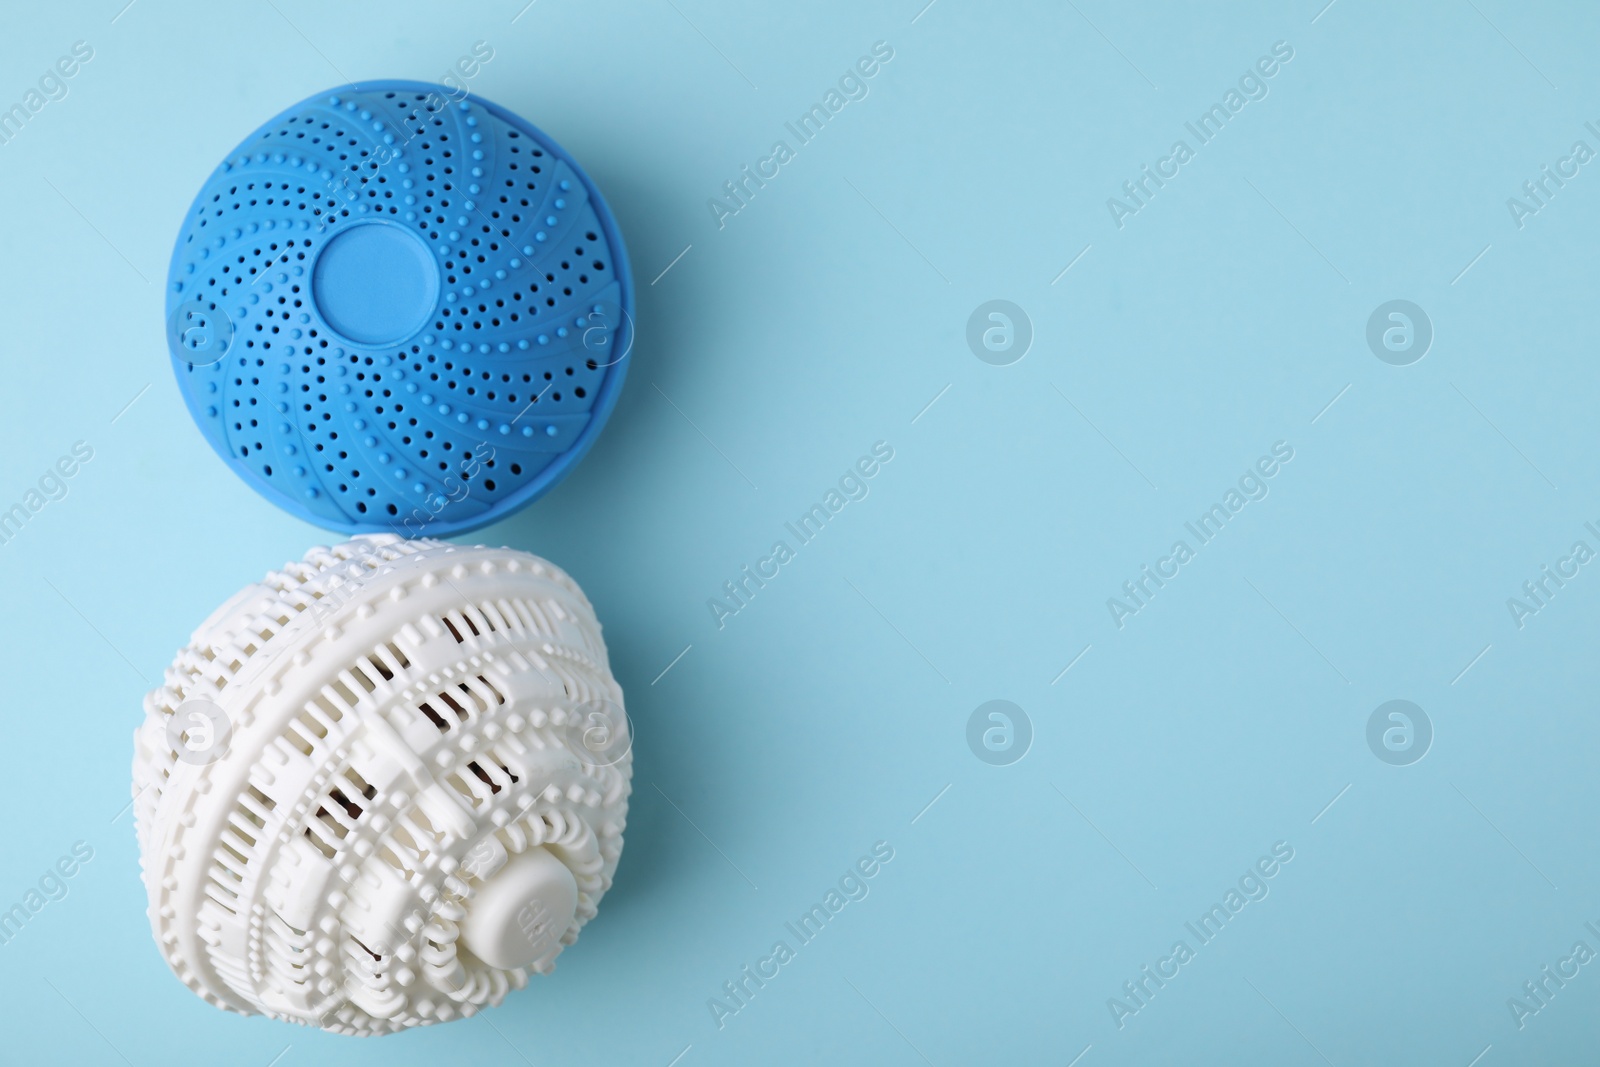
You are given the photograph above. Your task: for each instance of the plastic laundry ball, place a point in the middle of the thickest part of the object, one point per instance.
(394, 308)
(382, 787)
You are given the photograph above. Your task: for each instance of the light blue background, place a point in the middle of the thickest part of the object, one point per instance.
(826, 715)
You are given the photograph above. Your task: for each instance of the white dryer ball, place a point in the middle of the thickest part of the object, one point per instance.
(382, 786)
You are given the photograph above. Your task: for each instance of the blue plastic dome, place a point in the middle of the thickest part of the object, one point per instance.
(398, 309)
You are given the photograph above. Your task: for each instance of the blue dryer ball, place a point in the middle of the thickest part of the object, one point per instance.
(395, 308)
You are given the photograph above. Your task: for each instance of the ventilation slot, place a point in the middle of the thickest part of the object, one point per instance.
(340, 810)
(449, 701)
(387, 661)
(537, 619)
(500, 616)
(499, 697)
(343, 692)
(220, 893)
(289, 954)
(295, 740)
(479, 783)
(360, 677)
(434, 717)
(263, 803)
(467, 701)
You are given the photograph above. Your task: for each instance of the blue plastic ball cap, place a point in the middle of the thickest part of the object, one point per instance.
(394, 308)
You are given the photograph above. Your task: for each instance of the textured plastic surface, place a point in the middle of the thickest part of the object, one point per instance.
(393, 311)
(382, 786)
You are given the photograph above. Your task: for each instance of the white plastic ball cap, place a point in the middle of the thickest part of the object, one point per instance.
(383, 786)
(521, 911)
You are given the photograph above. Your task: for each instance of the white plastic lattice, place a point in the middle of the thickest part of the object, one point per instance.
(382, 786)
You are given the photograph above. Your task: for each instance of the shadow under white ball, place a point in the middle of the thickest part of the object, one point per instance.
(382, 786)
